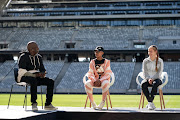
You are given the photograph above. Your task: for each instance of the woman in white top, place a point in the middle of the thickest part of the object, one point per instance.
(152, 70)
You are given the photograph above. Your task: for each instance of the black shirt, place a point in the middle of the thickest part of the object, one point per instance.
(99, 63)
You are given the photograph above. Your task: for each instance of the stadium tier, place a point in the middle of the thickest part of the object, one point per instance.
(22, 13)
(80, 8)
(7, 74)
(172, 69)
(6, 68)
(67, 31)
(72, 81)
(122, 38)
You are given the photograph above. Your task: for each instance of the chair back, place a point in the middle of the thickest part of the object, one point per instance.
(164, 75)
(15, 74)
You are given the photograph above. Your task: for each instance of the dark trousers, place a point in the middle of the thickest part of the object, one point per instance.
(154, 86)
(34, 82)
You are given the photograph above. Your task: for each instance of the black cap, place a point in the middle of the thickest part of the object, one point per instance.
(99, 48)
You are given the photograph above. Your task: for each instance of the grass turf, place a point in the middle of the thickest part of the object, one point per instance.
(65, 100)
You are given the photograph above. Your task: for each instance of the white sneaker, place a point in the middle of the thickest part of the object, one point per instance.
(94, 105)
(34, 107)
(100, 106)
(50, 107)
(151, 106)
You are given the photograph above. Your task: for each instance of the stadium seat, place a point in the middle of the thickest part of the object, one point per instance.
(23, 84)
(111, 83)
(164, 75)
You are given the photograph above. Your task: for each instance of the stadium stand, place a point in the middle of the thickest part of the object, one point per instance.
(72, 81)
(44, 9)
(20, 37)
(47, 39)
(3, 4)
(172, 69)
(4, 33)
(53, 69)
(68, 30)
(5, 69)
(120, 38)
(111, 39)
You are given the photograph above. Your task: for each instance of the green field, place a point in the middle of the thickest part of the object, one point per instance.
(171, 101)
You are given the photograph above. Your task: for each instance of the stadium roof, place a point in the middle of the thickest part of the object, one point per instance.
(90, 1)
(89, 17)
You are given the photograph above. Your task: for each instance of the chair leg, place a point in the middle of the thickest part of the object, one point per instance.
(90, 104)
(140, 99)
(10, 96)
(160, 98)
(163, 99)
(107, 103)
(86, 102)
(90, 101)
(26, 97)
(143, 100)
(109, 99)
(41, 98)
(25, 100)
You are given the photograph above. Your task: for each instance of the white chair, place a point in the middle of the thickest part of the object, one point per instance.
(111, 83)
(164, 75)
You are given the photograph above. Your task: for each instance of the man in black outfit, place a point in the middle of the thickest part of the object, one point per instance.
(32, 71)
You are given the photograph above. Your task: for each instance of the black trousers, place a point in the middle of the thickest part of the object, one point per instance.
(34, 82)
(154, 86)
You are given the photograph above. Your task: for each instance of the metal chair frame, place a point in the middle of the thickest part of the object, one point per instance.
(22, 84)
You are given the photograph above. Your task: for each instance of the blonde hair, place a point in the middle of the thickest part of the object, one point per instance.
(154, 47)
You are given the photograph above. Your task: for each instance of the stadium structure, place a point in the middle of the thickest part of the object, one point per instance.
(67, 31)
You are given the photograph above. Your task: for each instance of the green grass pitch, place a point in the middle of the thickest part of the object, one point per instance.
(71, 100)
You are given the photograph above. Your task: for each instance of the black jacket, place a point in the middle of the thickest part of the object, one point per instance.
(28, 62)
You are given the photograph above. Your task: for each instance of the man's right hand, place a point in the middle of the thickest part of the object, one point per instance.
(41, 75)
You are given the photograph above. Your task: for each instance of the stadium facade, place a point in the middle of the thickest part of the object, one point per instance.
(139, 16)
(69, 30)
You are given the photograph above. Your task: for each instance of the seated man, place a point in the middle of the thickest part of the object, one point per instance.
(32, 71)
(99, 76)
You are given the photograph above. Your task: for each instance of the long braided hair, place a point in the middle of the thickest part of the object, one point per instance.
(154, 47)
